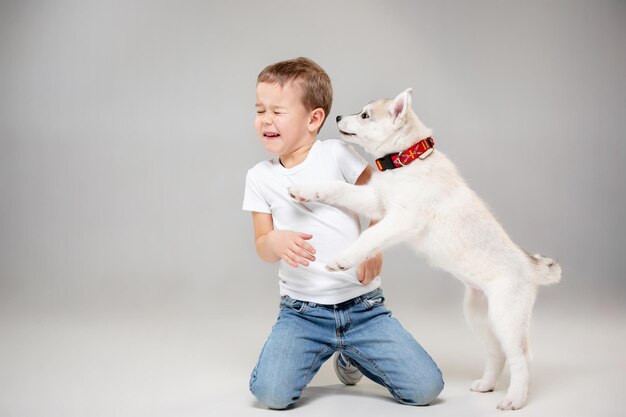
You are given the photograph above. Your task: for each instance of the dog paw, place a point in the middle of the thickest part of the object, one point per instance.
(511, 404)
(302, 194)
(337, 266)
(482, 386)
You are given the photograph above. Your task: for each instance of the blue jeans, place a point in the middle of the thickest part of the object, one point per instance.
(306, 334)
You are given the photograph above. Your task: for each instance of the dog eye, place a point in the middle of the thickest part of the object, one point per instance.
(365, 116)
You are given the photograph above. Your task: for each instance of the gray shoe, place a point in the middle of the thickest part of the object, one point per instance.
(345, 369)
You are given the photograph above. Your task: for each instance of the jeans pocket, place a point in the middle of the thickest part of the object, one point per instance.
(293, 304)
(375, 300)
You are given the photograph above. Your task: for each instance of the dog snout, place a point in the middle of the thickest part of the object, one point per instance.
(339, 118)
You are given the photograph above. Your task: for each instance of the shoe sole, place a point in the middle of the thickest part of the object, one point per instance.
(344, 376)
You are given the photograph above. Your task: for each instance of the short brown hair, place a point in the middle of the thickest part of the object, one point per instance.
(314, 82)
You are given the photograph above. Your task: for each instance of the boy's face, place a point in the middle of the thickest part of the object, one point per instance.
(282, 122)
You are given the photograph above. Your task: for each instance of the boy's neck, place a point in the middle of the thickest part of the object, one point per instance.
(297, 156)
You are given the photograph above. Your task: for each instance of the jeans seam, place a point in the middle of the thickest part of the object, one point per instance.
(253, 376)
(383, 375)
(308, 375)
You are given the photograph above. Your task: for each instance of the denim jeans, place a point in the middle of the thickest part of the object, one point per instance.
(306, 334)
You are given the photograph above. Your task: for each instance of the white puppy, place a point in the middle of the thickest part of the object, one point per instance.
(426, 203)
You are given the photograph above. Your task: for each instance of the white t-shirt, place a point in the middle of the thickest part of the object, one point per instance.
(333, 228)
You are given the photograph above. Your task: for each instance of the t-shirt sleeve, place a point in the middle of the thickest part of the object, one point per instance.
(252, 198)
(350, 163)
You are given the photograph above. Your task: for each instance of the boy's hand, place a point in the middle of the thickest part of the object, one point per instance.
(370, 268)
(292, 247)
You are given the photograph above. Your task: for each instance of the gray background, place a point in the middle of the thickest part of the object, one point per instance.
(126, 130)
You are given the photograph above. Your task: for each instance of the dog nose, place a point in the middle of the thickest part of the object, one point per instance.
(338, 119)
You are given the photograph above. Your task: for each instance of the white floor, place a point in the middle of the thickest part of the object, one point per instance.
(187, 361)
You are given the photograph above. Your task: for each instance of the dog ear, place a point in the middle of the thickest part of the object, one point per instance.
(400, 104)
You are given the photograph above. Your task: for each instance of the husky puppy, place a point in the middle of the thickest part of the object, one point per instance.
(420, 199)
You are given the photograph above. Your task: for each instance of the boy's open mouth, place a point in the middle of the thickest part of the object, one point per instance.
(271, 135)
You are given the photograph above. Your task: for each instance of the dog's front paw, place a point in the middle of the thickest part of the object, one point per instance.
(482, 386)
(303, 193)
(335, 266)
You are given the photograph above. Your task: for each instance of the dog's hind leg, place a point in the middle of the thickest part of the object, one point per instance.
(510, 307)
(476, 307)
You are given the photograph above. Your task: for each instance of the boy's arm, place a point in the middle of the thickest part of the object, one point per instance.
(263, 225)
(370, 268)
(365, 176)
(273, 245)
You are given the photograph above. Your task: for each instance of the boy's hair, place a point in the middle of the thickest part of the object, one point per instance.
(315, 87)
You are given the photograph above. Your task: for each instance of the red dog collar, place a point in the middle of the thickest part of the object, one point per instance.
(421, 150)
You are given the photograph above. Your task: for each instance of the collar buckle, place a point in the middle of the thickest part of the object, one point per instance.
(421, 150)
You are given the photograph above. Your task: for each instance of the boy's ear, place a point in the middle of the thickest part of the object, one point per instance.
(400, 104)
(316, 119)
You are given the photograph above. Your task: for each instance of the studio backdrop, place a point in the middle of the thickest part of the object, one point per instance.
(126, 130)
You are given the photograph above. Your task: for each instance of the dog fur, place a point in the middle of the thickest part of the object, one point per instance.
(427, 205)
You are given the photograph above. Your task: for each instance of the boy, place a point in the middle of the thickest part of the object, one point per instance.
(321, 312)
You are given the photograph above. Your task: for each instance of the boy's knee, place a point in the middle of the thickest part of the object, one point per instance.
(430, 393)
(425, 393)
(272, 395)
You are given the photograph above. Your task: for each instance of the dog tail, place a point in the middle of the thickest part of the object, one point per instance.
(549, 269)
